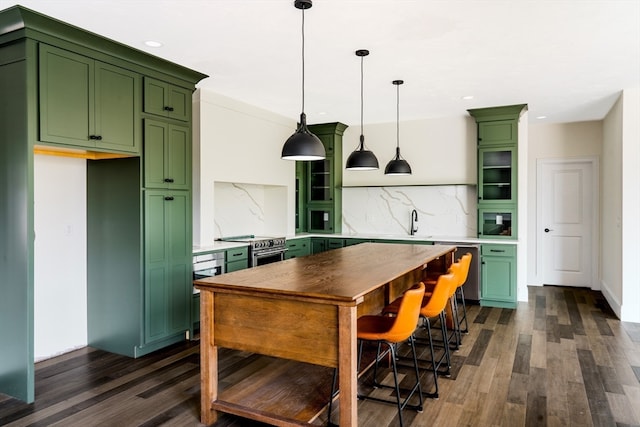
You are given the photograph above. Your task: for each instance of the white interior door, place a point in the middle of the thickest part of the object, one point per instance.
(566, 222)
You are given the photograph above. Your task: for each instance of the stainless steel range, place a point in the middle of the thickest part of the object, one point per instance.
(262, 250)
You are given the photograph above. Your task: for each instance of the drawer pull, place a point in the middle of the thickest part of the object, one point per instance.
(168, 108)
(168, 180)
(169, 198)
(237, 254)
(496, 250)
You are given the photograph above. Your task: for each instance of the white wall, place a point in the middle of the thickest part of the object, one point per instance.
(440, 152)
(554, 141)
(60, 271)
(238, 143)
(611, 216)
(630, 310)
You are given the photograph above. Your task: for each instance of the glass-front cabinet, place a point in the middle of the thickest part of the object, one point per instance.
(320, 180)
(497, 175)
(497, 223)
(319, 184)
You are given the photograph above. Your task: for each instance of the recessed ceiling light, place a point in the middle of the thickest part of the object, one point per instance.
(153, 43)
(467, 97)
(541, 117)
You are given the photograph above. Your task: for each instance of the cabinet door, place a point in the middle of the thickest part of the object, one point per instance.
(498, 281)
(498, 222)
(66, 97)
(320, 181)
(499, 132)
(497, 175)
(167, 155)
(320, 219)
(117, 108)
(168, 292)
(166, 100)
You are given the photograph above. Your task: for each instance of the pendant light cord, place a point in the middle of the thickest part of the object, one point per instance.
(398, 118)
(303, 60)
(361, 95)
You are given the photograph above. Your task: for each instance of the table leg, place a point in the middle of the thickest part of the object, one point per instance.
(208, 360)
(347, 362)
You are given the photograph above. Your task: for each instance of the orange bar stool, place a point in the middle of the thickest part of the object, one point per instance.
(436, 308)
(389, 331)
(465, 262)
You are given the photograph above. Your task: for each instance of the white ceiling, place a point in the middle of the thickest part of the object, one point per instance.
(567, 59)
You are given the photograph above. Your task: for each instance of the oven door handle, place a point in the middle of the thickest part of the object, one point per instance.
(269, 253)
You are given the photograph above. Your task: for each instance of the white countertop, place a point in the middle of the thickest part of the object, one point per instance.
(218, 246)
(408, 238)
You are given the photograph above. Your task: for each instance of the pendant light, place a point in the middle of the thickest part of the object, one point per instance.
(303, 145)
(362, 159)
(398, 165)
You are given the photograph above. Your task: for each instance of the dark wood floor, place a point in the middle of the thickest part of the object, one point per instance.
(560, 359)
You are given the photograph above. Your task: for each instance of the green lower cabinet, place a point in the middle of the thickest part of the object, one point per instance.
(297, 248)
(351, 242)
(318, 244)
(168, 263)
(335, 243)
(498, 287)
(236, 259)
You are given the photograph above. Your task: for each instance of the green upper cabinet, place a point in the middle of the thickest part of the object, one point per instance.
(168, 288)
(497, 178)
(497, 132)
(322, 209)
(167, 155)
(166, 100)
(88, 103)
(498, 170)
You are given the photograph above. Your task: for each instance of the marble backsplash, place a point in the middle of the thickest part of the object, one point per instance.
(242, 209)
(443, 210)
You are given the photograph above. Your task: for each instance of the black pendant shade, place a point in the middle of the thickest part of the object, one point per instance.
(398, 165)
(303, 145)
(362, 159)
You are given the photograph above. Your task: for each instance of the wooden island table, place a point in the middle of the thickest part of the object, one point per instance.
(301, 314)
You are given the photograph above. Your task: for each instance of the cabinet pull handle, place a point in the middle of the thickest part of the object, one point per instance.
(496, 250)
(167, 108)
(168, 180)
(237, 254)
(168, 198)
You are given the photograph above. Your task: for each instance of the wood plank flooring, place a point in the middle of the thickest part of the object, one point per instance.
(560, 359)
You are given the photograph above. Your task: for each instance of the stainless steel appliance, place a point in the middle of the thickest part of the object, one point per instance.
(207, 265)
(262, 250)
(471, 288)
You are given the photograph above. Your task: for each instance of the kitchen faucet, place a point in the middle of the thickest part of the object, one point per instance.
(414, 219)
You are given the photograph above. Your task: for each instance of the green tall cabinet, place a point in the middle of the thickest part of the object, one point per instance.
(66, 91)
(319, 184)
(498, 201)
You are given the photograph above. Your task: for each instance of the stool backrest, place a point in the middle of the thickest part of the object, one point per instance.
(465, 264)
(408, 315)
(440, 295)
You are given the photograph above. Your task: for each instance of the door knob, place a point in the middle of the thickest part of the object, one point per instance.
(546, 230)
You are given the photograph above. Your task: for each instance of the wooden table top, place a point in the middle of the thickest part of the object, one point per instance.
(339, 276)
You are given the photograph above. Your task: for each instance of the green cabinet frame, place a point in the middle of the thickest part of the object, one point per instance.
(168, 279)
(498, 288)
(167, 155)
(166, 100)
(64, 85)
(319, 203)
(88, 103)
(236, 259)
